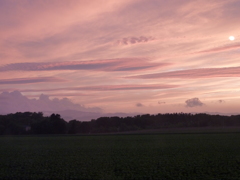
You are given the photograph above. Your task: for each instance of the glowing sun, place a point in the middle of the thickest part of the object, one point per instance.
(231, 38)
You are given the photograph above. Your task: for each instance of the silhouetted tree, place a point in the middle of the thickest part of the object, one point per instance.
(36, 123)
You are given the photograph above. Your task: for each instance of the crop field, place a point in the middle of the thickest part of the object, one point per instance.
(154, 156)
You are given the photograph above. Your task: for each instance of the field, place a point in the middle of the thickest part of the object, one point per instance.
(209, 156)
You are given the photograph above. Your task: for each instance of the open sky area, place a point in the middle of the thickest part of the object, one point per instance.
(147, 56)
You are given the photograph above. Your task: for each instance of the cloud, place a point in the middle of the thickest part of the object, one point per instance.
(81, 46)
(161, 102)
(221, 101)
(220, 49)
(135, 40)
(63, 94)
(194, 73)
(109, 87)
(11, 102)
(194, 102)
(139, 105)
(127, 87)
(121, 64)
(30, 80)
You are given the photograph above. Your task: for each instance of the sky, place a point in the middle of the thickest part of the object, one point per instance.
(147, 56)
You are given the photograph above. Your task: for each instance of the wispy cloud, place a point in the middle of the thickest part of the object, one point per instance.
(122, 64)
(220, 49)
(109, 87)
(54, 94)
(194, 73)
(30, 80)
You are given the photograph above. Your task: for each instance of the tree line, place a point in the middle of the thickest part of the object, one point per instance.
(35, 123)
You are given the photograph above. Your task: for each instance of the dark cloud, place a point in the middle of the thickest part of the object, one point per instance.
(30, 80)
(161, 102)
(194, 102)
(124, 64)
(135, 40)
(139, 105)
(220, 101)
(194, 73)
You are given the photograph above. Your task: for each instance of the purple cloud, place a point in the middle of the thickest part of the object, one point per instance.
(30, 80)
(194, 102)
(122, 64)
(110, 87)
(139, 105)
(16, 102)
(135, 40)
(221, 101)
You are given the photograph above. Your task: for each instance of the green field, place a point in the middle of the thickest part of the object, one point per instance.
(154, 156)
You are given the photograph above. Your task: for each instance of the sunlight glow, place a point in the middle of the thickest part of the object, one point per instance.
(231, 38)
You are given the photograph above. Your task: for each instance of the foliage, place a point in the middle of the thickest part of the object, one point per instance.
(31, 123)
(36, 123)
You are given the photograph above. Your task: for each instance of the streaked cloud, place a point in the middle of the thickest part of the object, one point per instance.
(220, 49)
(122, 87)
(124, 64)
(194, 73)
(30, 80)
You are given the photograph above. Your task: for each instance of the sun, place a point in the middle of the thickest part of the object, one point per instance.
(231, 38)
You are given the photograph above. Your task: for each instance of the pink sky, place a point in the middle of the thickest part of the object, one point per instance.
(146, 56)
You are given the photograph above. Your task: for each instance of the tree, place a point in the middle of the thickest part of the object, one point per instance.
(57, 124)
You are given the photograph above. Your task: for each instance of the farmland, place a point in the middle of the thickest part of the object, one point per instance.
(136, 156)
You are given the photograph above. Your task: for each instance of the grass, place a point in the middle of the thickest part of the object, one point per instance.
(153, 156)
